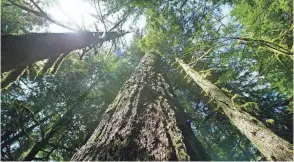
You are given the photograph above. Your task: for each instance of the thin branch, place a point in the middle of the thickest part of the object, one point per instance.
(119, 22)
(267, 43)
(101, 15)
(41, 14)
(37, 6)
(35, 120)
(61, 147)
(110, 49)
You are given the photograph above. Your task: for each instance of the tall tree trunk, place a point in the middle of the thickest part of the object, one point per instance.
(19, 51)
(268, 143)
(144, 122)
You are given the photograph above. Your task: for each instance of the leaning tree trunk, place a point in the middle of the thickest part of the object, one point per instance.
(268, 143)
(144, 122)
(20, 51)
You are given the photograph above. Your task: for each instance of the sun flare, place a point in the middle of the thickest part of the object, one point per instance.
(75, 12)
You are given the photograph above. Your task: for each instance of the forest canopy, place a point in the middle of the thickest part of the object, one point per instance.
(147, 80)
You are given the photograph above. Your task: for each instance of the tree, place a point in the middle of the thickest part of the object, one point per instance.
(222, 140)
(246, 58)
(144, 122)
(37, 47)
(269, 144)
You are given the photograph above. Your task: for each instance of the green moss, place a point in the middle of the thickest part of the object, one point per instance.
(57, 63)
(182, 155)
(36, 69)
(249, 106)
(234, 98)
(179, 147)
(11, 77)
(226, 90)
(24, 154)
(271, 121)
(5, 75)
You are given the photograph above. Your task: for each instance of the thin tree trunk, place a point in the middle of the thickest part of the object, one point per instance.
(268, 143)
(144, 122)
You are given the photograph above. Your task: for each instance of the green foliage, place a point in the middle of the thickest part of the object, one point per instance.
(85, 87)
(242, 66)
(16, 21)
(273, 22)
(246, 56)
(272, 28)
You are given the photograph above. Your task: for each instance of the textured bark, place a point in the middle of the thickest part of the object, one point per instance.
(144, 122)
(268, 143)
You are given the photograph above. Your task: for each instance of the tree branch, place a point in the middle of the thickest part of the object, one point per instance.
(41, 13)
(61, 147)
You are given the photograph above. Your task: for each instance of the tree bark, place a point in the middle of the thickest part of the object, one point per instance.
(144, 122)
(268, 143)
(22, 50)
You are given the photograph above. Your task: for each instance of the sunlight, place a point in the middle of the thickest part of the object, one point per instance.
(181, 80)
(74, 12)
(77, 13)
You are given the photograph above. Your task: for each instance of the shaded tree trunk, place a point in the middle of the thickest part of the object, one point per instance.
(19, 51)
(22, 50)
(268, 143)
(144, 122)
